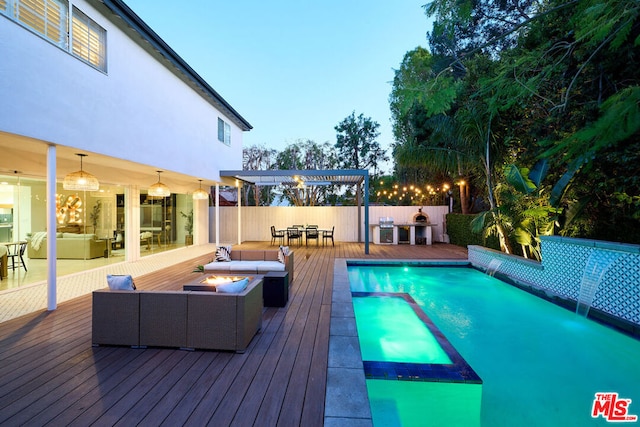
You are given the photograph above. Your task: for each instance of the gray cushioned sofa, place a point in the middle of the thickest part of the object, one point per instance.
(182, 319)
(252, 262)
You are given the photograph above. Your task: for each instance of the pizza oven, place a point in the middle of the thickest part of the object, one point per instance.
(420, 217)
(420, 230)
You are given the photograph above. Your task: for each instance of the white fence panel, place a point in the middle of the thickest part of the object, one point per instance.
(256, 222)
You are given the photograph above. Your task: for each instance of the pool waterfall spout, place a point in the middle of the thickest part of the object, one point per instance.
(598, 264)
(493, 267)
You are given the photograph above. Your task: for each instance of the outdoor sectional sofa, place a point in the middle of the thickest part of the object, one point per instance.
(252, 262)
(182, 319)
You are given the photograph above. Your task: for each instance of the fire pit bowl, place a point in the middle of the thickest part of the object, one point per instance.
(209, 282)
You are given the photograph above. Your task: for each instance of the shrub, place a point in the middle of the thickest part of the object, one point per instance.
(460, 234)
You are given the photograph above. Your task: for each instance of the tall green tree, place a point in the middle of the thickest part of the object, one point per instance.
(258, 157)
(357, 146)
(423, 101)
(307, 155)
(562, 84)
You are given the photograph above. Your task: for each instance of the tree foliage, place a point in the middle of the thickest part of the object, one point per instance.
(356, 144)
(258, 158)
(509, 83)
(307, 155)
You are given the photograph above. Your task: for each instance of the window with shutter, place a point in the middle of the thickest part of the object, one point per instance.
(46, 17)
(88, 40)
(50, 19)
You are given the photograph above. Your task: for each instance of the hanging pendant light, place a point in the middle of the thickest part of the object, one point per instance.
(80, 180)
(200, 194)
(159, 189)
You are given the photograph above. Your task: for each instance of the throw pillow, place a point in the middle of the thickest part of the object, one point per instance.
(120, 282)
(233, 287)
(223, 254)
(283, 252)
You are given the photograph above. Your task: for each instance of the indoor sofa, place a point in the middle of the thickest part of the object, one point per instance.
(69, 246)
(182, 319)
(252, 262)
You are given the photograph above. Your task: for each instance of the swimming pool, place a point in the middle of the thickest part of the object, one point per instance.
(541, 365)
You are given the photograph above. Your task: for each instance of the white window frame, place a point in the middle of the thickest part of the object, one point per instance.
(53, 21)
(224, 132)
(50, 26)
(88, 40)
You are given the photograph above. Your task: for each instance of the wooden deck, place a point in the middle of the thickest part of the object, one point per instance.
(51, 375)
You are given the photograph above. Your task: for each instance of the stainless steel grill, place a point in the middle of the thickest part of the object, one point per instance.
(386, 229)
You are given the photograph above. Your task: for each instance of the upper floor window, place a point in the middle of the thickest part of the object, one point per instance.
(50, 19)
(224, 132)
(89, 40)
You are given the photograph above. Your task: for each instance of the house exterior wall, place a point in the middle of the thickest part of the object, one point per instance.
(139, 110)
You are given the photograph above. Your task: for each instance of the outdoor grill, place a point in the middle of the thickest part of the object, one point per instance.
(386, 229)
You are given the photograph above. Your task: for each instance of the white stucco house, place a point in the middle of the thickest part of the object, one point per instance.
(89, 77)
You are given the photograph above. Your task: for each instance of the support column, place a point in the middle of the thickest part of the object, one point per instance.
(200, 222)
(366, 213)
(239, 213)
(52, 286)
(217, 215)
(132, 223)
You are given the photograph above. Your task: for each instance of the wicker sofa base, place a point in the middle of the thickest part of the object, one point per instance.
(182, 319)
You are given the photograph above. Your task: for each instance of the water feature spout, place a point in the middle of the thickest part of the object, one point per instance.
(493, 267)
(598, 264)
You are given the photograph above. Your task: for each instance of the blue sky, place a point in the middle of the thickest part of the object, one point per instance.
(294, 69)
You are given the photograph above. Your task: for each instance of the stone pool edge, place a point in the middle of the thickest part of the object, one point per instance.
(346, 398)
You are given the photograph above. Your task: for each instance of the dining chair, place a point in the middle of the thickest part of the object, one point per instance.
(326, 235)
(277, 234)
(312, 234)
(294, 233)
(18, 253)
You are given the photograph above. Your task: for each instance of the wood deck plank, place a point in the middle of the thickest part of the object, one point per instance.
(50, 373)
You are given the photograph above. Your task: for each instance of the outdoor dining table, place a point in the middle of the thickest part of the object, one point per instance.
(303, 232)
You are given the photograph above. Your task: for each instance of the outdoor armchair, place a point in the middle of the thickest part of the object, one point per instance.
(294, 234)
(328, 235)
(277, 234)
(312, 234)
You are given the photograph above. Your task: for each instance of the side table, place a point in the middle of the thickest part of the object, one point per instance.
(275, 288)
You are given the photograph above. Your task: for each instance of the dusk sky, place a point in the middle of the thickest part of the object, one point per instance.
(294, 69)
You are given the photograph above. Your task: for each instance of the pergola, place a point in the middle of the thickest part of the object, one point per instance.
(311, 178)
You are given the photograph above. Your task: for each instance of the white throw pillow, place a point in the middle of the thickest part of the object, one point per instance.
(120, 282)
(283, 252)
(223, 254)
(233, 287)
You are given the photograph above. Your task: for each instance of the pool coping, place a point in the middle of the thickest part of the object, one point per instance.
(346, 398)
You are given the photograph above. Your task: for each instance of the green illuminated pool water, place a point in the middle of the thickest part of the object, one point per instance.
(390, 331)
(541, 365)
